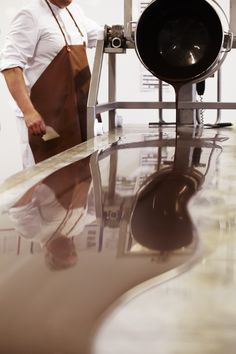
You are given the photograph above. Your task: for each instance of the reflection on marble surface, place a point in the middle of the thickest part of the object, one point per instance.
(194, 312)
(78, 236)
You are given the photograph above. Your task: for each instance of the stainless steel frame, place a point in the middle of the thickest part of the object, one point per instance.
(187, 103)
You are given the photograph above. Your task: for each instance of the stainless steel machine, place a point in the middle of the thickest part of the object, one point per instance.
(118, 39)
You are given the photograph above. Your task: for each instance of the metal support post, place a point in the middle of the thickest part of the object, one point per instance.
(218, 119)
(94, 88)
(187, 93)
(112, 87)
(160, 99)
(128, 19)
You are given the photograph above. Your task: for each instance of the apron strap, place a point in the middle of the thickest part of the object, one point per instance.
(63, 33)
(75, 22)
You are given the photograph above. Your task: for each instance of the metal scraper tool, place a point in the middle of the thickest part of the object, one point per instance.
(50, 134)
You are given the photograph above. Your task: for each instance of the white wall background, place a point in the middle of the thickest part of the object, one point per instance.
(128, 85)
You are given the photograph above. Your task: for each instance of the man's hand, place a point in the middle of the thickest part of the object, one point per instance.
(17, 87)
(35, 123)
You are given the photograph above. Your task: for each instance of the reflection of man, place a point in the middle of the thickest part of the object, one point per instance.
(53, 212)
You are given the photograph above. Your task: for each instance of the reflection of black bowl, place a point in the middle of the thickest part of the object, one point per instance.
(179, 40)
(160, 219)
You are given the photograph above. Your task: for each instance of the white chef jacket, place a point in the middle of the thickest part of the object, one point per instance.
(33, 42)
(35, 38)
(43, 216)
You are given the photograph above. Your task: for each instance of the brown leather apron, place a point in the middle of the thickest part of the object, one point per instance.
(60, 96)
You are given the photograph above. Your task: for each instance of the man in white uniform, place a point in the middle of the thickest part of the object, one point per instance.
(45, 66)
(55, 211)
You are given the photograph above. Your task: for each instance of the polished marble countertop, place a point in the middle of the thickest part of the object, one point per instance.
(124, 244)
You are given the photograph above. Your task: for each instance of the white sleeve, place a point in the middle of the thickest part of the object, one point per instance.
(91, 27)
(20, 42)
(26, 219)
